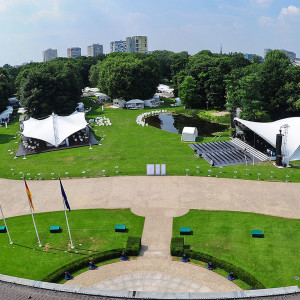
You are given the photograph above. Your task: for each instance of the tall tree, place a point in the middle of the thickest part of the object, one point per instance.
(188, 92)
(4, 90)
(129, 76)
(51, 87)
(273, 77)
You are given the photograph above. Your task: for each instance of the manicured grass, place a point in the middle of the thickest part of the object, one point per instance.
(128, 146)
(274, 260)
(92, 231)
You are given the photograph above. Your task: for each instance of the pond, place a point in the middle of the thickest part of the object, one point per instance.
(175, 123)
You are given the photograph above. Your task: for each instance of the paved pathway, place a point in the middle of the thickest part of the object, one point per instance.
(159, 199)
(274, 198)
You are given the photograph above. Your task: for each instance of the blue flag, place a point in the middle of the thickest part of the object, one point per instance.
(64, 195)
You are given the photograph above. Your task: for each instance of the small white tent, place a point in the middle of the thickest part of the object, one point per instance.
(135, 104)
(189, 134)
(119, 103)
(54, 129)
(268, 132)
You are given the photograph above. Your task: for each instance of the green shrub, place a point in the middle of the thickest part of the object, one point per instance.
(219, 263)
(177, 246)
(133, 246)
(228, 267)
(81, 263)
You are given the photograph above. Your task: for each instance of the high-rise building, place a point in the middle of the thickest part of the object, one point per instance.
(94, 50)
(74, 52)
(49, 54)
(137, 44)
(118, 46)
(290, 54)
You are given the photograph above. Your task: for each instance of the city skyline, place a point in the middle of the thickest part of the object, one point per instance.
(248, 26)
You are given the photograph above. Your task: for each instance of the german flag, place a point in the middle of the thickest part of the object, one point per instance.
(29, 194)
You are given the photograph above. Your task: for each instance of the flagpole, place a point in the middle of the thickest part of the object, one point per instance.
(40, 245)
(72, 246)
(10, 241)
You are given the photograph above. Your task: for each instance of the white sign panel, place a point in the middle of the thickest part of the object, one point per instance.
(157, 169)
(163, 169)
(150, 169)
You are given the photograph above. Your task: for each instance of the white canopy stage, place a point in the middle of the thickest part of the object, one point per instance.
(54, 129)
(290, 130)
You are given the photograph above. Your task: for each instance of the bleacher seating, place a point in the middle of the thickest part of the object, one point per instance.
(226, 153)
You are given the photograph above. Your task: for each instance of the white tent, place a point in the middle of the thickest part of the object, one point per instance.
(135, 104)
(268, 132)
(6, 113)
(54, 129)
(189, 134)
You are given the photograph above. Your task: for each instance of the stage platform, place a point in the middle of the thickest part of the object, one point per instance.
(227, 153)
(90, 141)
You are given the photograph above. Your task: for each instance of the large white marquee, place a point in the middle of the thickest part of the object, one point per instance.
(269, 130)
(54, 129)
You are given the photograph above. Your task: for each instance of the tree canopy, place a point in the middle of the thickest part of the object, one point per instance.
(50, 87)
(129, 76)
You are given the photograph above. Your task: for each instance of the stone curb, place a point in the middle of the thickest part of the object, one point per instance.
(144, 295)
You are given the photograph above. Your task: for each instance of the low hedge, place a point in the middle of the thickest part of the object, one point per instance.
(177, 249)
(177, 246)
(228, 267)
(81, 263)
(133, 246)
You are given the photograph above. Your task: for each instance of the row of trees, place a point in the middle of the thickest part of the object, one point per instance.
(204, 80)
(231, 81)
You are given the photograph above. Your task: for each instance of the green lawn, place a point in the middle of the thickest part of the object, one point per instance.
(128, 146)
(273, 260)
(92, 231)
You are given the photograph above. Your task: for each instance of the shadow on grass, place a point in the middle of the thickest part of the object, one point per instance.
(6, 138)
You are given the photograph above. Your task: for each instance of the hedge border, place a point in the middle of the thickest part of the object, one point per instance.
(178, 249)
(133, 248)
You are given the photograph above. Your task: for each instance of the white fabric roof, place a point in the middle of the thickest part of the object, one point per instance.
(54, 129)
(6, 113)
(189, 130)
(135, 101)
(165, 88)
(269, 130)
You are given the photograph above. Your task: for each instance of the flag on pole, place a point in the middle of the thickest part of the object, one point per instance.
(64, 195)
(29, 194)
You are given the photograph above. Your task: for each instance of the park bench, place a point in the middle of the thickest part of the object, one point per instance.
(55, 228)
(257, 234)
(185, 230)
(120, 228)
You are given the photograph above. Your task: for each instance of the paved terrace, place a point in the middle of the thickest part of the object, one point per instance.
(159, 199)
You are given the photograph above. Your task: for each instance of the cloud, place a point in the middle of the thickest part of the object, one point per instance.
(290, 11)
(262, 3)
(266, 21)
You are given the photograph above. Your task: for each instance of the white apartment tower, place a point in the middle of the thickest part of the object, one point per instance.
(49, 54)
(118, 46)
(137, 44)
(94, 50)
(74, 52)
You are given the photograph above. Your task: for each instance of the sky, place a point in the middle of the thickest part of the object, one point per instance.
(27, 27)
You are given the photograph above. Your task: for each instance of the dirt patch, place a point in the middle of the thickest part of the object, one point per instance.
(220, 113)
